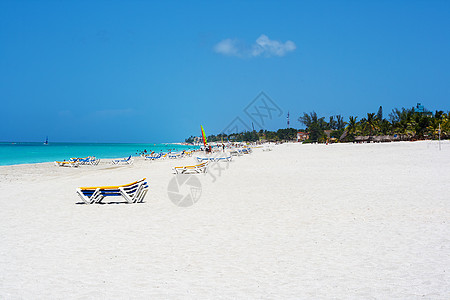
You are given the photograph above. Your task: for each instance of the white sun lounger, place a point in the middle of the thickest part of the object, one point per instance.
(90, 160)
(200, 168)
(128, 161)
(214, 158)
(175, 155)
(66, 163)
(154, 156)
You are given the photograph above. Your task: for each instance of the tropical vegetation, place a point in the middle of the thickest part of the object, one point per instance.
(287, 134)
(413, 123)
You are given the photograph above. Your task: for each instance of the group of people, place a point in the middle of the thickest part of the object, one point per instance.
(150, 152)
(209, 149)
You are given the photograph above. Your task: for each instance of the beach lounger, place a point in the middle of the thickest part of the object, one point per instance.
(175, 155)
(133, 192)
(90, 160)
(200, 168)
(128, 161)
(246, 150)
(153, 157)
(214, 158)
(94, 161)
(236, 153)
(66, 163)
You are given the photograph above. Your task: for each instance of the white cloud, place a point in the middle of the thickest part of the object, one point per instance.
(268, 47)
(263, 46)
(227, 47)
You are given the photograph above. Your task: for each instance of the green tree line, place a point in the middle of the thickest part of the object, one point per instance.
(401, 124)
(287, 134)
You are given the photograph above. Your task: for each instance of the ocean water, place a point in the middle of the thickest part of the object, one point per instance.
(27, 153)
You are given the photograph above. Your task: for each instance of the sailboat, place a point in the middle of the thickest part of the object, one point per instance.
(46, 141)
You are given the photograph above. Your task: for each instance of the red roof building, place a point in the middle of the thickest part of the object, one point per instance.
(301, 136)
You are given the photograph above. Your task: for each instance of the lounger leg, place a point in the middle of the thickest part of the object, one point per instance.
(92, 199)
(83, 197)
(130, 198)
(141, 194)
(141, 198)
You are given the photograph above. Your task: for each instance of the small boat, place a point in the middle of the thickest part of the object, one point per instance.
(46, 141)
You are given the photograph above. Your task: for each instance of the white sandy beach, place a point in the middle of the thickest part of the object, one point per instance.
(343, 221)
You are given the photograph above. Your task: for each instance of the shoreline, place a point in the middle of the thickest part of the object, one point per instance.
(64, 151)
(443, 142)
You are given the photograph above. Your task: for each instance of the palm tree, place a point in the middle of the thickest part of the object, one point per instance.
(445, 126)
(350, 130)
(402, 121)
(332, 124)
(370, 125)
(314, 124)
(352, 125)
(340, 124)
(433, 127)
(385, 127)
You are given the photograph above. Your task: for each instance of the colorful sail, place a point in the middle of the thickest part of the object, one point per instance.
(203, 136)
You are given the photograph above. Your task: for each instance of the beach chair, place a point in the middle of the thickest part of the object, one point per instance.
(67, 163)
(128, 161)
(83, 161)
(94, 161)
(236, 153)
(163, 156)
(133, 192)
(175, 155)
(200, 168)
(90, 160)
(214, 158)
(224, 158)
(244, 151)
(154, 156)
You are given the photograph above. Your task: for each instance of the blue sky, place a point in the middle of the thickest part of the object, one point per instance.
(153, 71)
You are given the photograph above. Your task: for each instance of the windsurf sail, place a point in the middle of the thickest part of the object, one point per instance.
(203, 136)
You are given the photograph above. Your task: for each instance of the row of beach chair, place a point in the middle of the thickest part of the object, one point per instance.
(90, 160)
(135, 192)
(214, 158)
(156, 156)
(203, 164)
(170, 155)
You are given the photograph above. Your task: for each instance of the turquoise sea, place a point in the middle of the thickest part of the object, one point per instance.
(27, 153)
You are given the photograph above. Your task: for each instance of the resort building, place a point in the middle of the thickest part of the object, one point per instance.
(301, 136)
